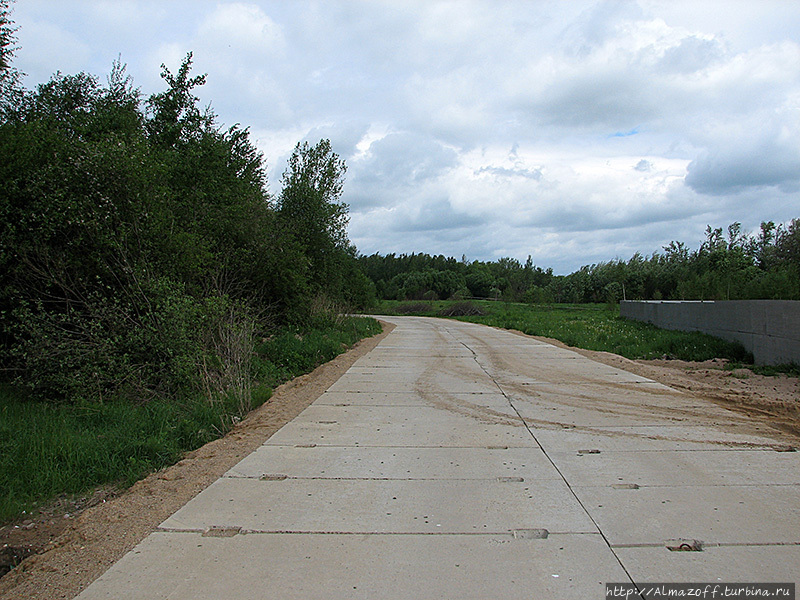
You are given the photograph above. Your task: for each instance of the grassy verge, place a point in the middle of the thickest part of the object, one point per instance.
(589, 326)
(51, 449)
(791, 370)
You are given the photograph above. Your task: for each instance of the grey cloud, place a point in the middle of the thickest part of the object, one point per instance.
(597, 24)
(731, 170)
(396, 168)
(403, 159)
(643, 165)
(577, 216)
(612, 100)
(435, 215)
(344, 136)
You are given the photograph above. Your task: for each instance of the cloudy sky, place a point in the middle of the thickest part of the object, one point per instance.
(572, 131)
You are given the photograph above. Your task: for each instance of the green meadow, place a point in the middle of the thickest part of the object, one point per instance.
(588, 326)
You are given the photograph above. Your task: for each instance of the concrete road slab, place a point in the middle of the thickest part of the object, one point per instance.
(385, 373)
(649, 394)
(398, 463)
(376, 386)
(186, 566)
(414, 476)
(496, 401)
(421, 353)
(457, 378)
(484, 406)
(437, 409)
(544, 413)
(385, 376)
(680, 468)
(712, 514)
(646, 439)
(404, 426)
(549, 369)
(631, 410)
(384, 506)
(466, 380)
(354, 398)
(748, 564)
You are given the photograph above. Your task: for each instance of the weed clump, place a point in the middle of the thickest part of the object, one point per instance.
(463, 309)
(413, 308)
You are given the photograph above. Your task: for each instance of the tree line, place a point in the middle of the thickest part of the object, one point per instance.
(425, 277)
(140, 249)
(729, 264)
(142, 255)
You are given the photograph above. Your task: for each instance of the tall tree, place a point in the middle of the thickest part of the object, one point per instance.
(310, 207)
(175, 115)
(10, 90)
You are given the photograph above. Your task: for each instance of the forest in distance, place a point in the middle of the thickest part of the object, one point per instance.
(729, 264)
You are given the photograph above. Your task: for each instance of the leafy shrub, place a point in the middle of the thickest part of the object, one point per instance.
(413, 308)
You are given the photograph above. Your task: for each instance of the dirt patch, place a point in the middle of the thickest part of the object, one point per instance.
(63, 549)
(773, 400)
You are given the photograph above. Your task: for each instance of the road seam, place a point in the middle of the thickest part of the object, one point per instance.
(547, 455)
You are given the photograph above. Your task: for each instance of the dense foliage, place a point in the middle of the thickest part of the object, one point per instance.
(426, 277)
(727, 266)
(141, 255)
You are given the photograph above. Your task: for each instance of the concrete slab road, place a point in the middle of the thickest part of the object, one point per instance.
(456, 461)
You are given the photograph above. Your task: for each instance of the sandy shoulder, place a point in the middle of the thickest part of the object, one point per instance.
(771, 400)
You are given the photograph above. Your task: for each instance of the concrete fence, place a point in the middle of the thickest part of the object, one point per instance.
(770, 329)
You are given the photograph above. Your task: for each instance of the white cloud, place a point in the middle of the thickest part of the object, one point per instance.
(242, 29)
(42, 40)
(572, 131)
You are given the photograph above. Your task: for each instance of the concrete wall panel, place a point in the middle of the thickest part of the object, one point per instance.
(770, 329)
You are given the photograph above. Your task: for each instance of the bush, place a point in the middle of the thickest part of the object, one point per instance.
(413, 308)
(160, 342)
(462, 309)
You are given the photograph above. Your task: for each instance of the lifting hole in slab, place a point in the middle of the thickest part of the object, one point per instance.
(221, 531)
(684, 545)
(530, 534)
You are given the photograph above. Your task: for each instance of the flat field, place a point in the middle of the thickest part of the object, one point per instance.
(588, 326)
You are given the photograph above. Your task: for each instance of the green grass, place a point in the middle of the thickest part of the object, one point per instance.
(291, 353)
(593, 327)
(792, 370)
(48, 449)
